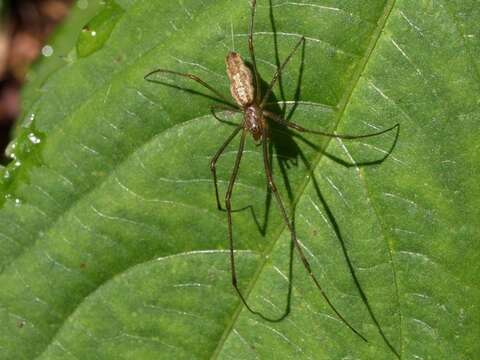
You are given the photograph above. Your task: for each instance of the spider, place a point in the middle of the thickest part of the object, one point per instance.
(245, 88)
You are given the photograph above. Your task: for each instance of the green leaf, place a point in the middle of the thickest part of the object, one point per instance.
(95, 33)
(111, 243)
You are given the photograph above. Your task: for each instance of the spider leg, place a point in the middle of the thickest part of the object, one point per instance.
(214, 108)
(251, 49)
(289, 124)
(279, 70)
(296, 244)
(228, 205)
(194, 78)
(213, 162)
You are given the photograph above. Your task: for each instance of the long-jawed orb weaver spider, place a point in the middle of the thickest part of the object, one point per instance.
(245, 88)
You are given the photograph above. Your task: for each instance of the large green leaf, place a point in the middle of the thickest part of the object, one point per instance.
(111, 243)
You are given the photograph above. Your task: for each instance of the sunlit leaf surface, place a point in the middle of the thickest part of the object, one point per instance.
(111, 246)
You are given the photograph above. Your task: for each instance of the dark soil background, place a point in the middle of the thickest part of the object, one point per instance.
(24, 28)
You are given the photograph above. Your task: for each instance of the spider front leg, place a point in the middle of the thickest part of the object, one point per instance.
(193, 77)
(278, 72)
(251, 49)
(292, 125)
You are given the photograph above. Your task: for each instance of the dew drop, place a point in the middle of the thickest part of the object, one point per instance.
(47, 51)
(18, 202)
(10, 150)
(29, 120)
(33, 138)
(82, 4)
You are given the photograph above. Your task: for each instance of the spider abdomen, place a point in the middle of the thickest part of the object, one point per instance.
(241, 80)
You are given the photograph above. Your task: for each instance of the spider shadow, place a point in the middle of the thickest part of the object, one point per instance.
(288, 153)
(289, 150)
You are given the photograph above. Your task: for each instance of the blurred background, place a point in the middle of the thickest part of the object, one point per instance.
(25, 26)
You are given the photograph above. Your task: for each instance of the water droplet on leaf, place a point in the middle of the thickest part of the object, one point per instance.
(33, 138)
(47, 51)
(82, 4)
(19, 149)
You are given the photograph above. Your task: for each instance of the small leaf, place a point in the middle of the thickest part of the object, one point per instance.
(98, 30)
